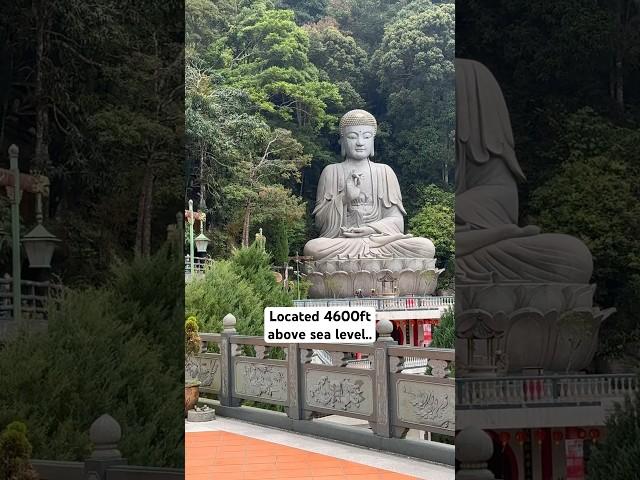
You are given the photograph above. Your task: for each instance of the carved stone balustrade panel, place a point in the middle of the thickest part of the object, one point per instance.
(205, 367)
(260, 381)
(339, 392)
(425, 406)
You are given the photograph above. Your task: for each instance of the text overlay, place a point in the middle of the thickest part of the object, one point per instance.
(320, 324)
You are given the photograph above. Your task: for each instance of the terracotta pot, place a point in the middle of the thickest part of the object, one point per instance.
(191, 394)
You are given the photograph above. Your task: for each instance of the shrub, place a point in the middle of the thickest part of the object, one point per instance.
(243, 285)
(105, 351)
(618, 456)
(15, 452)
(444, 335)
(191, 337)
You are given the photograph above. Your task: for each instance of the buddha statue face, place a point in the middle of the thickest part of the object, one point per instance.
(357, 131)
(357, 142)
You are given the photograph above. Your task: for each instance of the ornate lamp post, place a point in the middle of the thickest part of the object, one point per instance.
(15, 194)
(201, 241)
(191, 219)
(39, 243)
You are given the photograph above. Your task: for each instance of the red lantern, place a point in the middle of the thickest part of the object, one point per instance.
(594, 434)
(582, 434)
(540, 436)
(521, 437)
(505, 437)
(557, 437)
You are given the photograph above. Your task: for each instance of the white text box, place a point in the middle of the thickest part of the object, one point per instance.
(320, 324)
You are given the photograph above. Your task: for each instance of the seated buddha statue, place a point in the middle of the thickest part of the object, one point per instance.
(490, 246)
(359, 205)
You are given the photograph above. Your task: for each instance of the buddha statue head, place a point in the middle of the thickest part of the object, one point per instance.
(357, 133)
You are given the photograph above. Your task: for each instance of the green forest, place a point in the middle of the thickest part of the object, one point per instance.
(569, 70)
(92, 93)
(266, 83)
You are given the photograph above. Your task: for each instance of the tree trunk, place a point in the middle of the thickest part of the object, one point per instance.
(148, 209)
(203, 191)
(299, 113)
(41, 153)
(619, 78)
(143, 222)
(245, 225)
(139, 222)
(617, 68)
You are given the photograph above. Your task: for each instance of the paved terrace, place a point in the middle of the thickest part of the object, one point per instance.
(231, 449)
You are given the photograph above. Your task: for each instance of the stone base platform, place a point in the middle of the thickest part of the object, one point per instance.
(343, 278)
(526, 327)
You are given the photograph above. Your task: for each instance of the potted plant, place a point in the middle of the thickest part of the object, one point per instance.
(192, 346)
(15, 452)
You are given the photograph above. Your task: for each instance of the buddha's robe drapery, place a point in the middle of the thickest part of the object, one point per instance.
(383, 213)
(487, 248)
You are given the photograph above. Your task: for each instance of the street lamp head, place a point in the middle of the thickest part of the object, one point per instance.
(202, 242)
(39, 244)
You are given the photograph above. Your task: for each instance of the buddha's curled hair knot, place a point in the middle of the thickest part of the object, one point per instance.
(356, 118)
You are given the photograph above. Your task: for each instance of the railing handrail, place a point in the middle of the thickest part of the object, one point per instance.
(556, 388)
(36, 298)
(448, 354)
(383, 303)
(553, 376)
(200, 264)
(406, 351)
(365, 390)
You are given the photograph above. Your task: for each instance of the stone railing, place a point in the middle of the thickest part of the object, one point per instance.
(390, 303)
(409, 363)
(392, 402)
(557, 389)
(200, 264)
(106, 461)
(37, 299)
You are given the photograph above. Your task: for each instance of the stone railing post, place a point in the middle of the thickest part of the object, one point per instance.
(474, 449)
(227, 352)
(105, 433)
(382, 425)
(297, 357)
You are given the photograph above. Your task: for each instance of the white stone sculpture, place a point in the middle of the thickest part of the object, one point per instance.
(522, 295)
(359, 213)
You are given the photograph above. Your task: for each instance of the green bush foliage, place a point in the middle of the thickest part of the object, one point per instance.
(280, 245)
(15, 453)
(435, 219)
(243, 285)
(105, 351)
(444, 335)
(618, 456)
(191, 337)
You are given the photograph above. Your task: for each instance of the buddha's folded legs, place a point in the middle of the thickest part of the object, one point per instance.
(332, 248)
(552, 258)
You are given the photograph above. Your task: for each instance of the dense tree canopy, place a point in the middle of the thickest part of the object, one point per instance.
(92, 95)
(566, 69)
(267, 82)
(416, 74)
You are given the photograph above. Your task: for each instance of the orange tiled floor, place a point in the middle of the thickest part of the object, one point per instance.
(227, 456)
